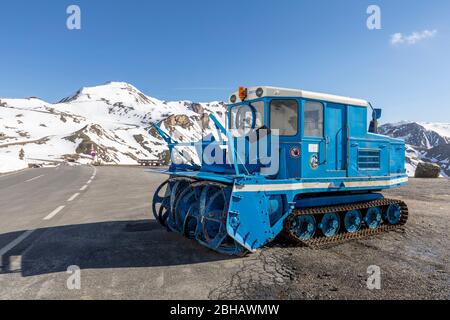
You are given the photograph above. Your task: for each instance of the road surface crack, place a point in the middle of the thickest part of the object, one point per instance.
(264, 275)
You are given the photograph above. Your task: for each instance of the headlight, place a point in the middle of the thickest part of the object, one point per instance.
(259, 92)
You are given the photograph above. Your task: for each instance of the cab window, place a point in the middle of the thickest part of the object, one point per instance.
(284, 117)
(246, 117)
(313, 119)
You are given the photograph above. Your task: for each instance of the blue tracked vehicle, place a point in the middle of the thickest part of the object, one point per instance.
(314, 175)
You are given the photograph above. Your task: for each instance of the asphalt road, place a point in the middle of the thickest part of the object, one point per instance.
(99, 220)
(107, 231)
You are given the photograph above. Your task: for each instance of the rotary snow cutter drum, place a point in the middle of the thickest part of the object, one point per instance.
(197, 210)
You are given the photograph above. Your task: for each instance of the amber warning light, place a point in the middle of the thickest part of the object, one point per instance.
(242, 93)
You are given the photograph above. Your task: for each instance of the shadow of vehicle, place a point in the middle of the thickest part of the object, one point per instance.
(112, 244)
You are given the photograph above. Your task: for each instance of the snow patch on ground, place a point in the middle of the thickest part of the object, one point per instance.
(9, 163)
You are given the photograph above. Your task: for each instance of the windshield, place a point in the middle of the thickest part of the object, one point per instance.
(246, 117)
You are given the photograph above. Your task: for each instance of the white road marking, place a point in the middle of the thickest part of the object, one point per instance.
(73, 197)
(15, 263)
(54, 212)
(91, 178)
(35, 178)
(14, 243)
(27, 233)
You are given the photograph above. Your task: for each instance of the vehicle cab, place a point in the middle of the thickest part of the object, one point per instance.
(319, 135)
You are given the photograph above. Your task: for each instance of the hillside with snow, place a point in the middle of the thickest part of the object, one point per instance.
(425, 142)
(114, 119)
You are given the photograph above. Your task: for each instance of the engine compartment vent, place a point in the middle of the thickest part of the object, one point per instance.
(368, 159)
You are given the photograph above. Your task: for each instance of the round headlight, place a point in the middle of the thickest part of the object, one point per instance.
(233, 98)
(259, 92)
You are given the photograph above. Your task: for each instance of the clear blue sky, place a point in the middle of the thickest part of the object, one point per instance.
(202, 49)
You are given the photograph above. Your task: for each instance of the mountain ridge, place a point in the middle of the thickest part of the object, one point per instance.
(425, 142)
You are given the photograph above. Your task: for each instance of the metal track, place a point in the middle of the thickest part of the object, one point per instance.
(322, 241)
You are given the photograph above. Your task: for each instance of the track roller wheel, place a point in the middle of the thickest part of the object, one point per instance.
(330, 224)
(352, 221)
(392, 214)
(373, 218)
(304, 227)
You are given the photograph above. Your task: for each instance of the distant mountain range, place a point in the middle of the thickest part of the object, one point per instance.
(426, 142)
(115, 119)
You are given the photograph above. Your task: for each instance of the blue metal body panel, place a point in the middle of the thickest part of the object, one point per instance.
(352, 165)
(318, 201)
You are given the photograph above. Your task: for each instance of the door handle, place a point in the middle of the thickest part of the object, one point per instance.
(327, 141)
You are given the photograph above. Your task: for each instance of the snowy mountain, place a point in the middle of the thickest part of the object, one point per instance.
(426, 142)
(114, 119)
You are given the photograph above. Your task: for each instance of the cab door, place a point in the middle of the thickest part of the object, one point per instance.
(336, 139)
(324, 139)
(314, 157)
(285, 124)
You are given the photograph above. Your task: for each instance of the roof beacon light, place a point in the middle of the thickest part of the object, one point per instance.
(242, 93)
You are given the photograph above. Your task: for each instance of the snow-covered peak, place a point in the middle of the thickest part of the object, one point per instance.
(112, 92)
(419, 134)
(26, 103)
(398, 123)
(442, 129)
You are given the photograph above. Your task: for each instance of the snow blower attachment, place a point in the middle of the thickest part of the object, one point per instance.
(289, 162)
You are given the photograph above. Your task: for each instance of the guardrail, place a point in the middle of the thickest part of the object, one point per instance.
(148, 162)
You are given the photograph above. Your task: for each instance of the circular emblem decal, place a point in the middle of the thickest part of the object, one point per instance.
(295, 152)
(314, 161)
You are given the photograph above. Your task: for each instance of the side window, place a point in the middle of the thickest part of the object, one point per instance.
(284, 117)
(313, 119)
